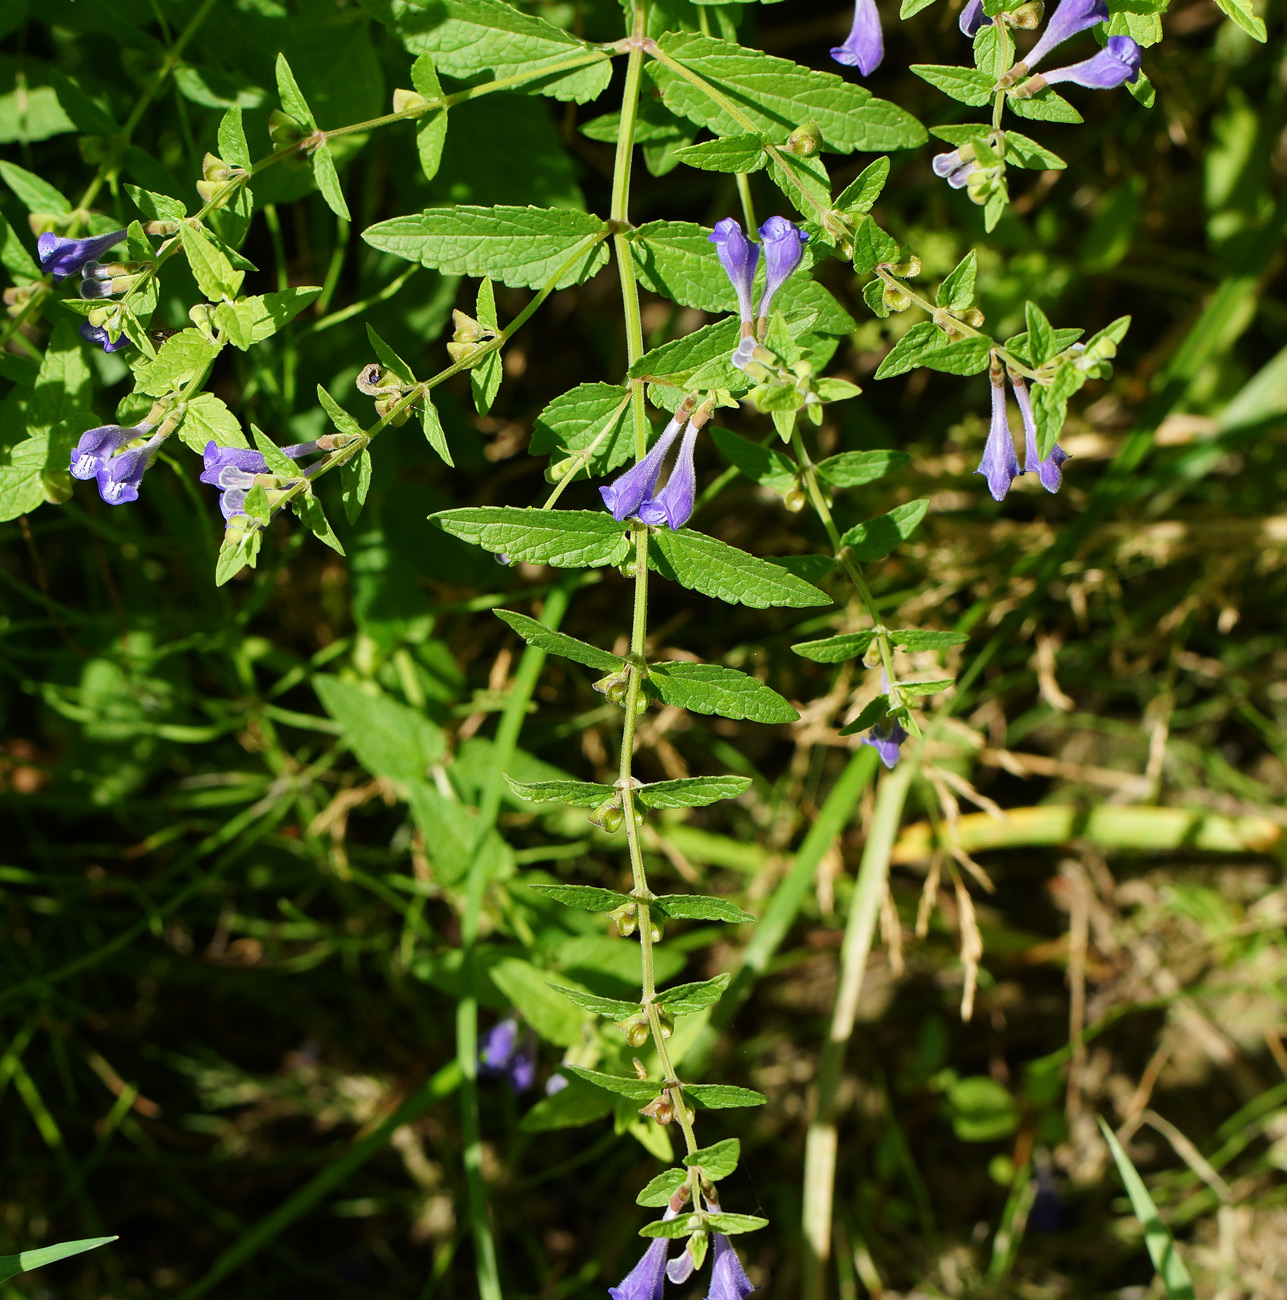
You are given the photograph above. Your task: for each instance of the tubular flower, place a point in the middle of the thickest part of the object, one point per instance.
(887, 742)
(739, 258)
(673, 505)
(66, 257)
(97, 334)
(972, 18)
(119, 480)
(865, 45)
(1049, 472)
(647, 1280)
(106, 455)
(1000, 466)
(955, 167)
(630, 490)
(1117, 62)
(728, 1281)
(783, 248)
(509, 1052)
(233, 471)
(1071, 17)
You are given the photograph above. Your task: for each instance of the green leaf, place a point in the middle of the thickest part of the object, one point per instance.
(873, 293)
(982, 1109)
(716, 1161)
(388, 358)
(355, 482)
(927, 345)
(180, 358)
(252, 320)
(232, 138)
(291, 97)
(674, 363)
(612, 1008)
(708, 688)
(36, 195)
(431, 129)
(918, 639)
(276, 459)
(967, 85)
(701, 907)
(1157, 1236)
(692, 791)
(909, 8)
(672, 1229)
(570, 1107)
(211, 269)
(434, 432)
(589, 414)
(804, 181)
(581, 794)
(328, 180)
(540, 1005)
(854, 468)
(872, 247)
(1064, 338)
(763, 465)
(566, 539)
(687, 999)
(731, 153)
(676, 259)
(236, 552)
(876, 538)
(775, 95)
(836, 649)
(560, 643)
(588, 898)
(485, 375)
(388, 738)
(12, 1265)
(1021, 151)
(339, 417)
(310, 510)
(659, 1191)
(731, 1224)
(917, 689)
(521, 247)
(967, 356)
(635, 1089)
(1045, 106)
(871, 714)
(716, 569)
(467, 37)
(722, 1096)
(956, 293)
(861, 194)
(155, 207)
(1041, 334)
(207, 419)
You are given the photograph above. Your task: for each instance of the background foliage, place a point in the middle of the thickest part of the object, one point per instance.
(230, 918)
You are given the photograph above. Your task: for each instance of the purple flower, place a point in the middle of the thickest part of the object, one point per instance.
(1049, 471)
(119, 480)
(97, 446)
(954, 168)
(65, 257)
(739, 257)
(1071, 17)
(887, 742)
(105, 454)
(673, 505)
(973, 17)
(506, 1051)
(865, 46)
(1119, 61)
(1000, 466)
(647, 1280)
(630, 490)
(680, 1269)
(233, 469)
(728, 1281)
(783, 248)
(97, 334)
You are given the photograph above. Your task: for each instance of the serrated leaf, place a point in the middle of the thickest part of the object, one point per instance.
(560, 643)
(676, 259)
(236, 552)
(967, 356)
(927, 345)
(232, 138)
(181, 357)
(310, 510)
(1022, 151)
(673, 364)
(388, 738)
(291, 97)
(763, 465)
(993, 48)
(388, 358)
(836, 649)
(1045, 106)
(803, 180)
(355, 482)
(861, 194)
(328, 181)
(467, 37)
(876, 538)
(914, 638)
(716, 569)
(673, 1229)
(731, 1224)
(252, 320)
(873, 712)
(635, 1089)
(431, 129)
(207, 419)
(155, 207)
(910, 8)
(731, 153)
(966, 85)
(1064, 338)
(529, 992)
(917, 689)
(433, 430)
(692, 791)
(566, 539)
(718, 1160)
(339, 417)
(702, 907)
(775, 95)
(589, 414)
(521, 247)
(688, 999)
(659, 1191)
(708, 688)
(1041, 334)
(24, 1262)
(580, 794)
(36, 195)
(211, 269)
(956, 293)
(872, 247)
(722, 1096)
(854, 468)
(588, 898)
(873, 293)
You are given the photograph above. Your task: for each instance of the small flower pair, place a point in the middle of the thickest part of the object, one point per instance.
(509, 1052)
(647, 1280)
(783, 243)
(1000, 465)
(117, 457)
(634, 495)
(233, 471)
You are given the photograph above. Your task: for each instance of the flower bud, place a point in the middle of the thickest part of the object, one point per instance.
(161, 228)
(1026, 17)
(660, 1109)
(613, 686)
(1028, 88)
(398, 417)
(608, 816)
(283, 129)
(468, 330)
(896, 298)
(972, 316)
(666, 1023)
(805, 140)
(909, 269)
(409, 101)
(641, 705)
(635, 1029)
(626, 919)
(560, 469)
(794, 499)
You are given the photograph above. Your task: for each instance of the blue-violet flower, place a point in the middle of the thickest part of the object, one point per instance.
(105, 454)
(647, 1280)
(739, 258)
(66, 257)
(972, 18)
(728, 1281)
(97, 334)
(783, 248)
(507, 1051)
(887, 742)
(865, 45)
(953, 167)
(1049, 472)
(1000, 466)
(630, 490)
(673, 505)
(233, 469)
(1117, 62)
(1071, 17)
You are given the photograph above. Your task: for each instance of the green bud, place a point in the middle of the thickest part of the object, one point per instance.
(794, 499)
(805, 140)
(635, 1029)
(697, 1249)
(385, 405)
(909, 269)
(896, 299)
(641, 705)
(467, 329)
(973, 317)
(613, 686)
(284, 129)
(626, 919)
(667, 1024)
(608, 816)
(1026, 17)
(409, 101)
(560, 469)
